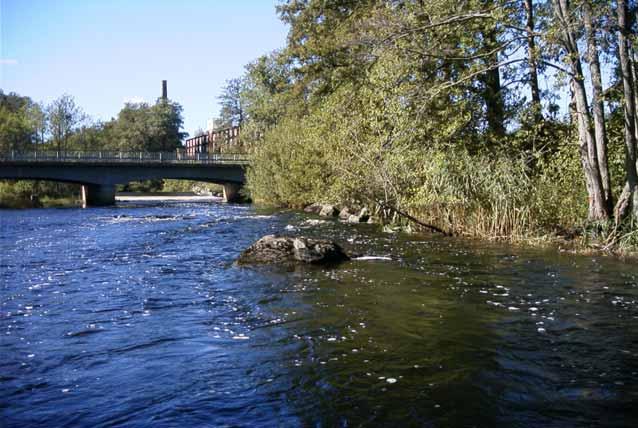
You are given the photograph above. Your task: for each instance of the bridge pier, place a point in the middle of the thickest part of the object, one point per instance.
(97, 195)
(231, 192)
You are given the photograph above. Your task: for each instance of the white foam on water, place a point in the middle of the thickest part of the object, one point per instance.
(372, 258)
(241, 337)
(313, 222)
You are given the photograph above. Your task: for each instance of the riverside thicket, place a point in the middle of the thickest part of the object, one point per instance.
(502, 119)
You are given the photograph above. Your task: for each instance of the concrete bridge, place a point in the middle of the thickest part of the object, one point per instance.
(100, 172)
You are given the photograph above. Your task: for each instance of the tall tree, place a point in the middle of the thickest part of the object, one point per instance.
(598, 110)
(63, 117)
(321, 44)
(628, 201)
(146, 128)
(20, 121)
(167, 124)
(267, 94)
(564, 14)
(232, 108)
(532, 60)
(492, 90)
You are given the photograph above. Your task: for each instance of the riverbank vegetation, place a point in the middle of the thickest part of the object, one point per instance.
(498, 119)
(37, 194)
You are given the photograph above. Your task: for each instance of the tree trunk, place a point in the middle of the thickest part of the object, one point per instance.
(597, 104)
(492, 90)
(628, 202)
(634, 76)
(494, 103)
(532, 59)
(587, 143)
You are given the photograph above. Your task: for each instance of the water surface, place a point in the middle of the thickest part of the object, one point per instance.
(136, 316)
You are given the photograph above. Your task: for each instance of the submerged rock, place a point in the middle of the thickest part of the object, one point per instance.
(282, 249)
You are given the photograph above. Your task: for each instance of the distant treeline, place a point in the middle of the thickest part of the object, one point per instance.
(63, 126)
(449, 111)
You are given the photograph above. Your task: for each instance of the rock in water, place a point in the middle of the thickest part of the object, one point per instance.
(318, 251)
(329, 211)
(313, 209)
(282, 249)
(344, 214)
(362, 217)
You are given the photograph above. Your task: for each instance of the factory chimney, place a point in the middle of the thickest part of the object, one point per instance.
(164, 91)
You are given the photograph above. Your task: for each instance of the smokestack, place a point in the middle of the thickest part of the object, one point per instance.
(164, 91)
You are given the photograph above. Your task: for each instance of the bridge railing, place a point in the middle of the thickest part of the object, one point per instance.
(124, 157)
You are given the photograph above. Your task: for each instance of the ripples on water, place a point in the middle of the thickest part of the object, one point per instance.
(136, 316)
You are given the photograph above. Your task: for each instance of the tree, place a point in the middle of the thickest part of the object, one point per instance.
(232, 108)
(492, 91)
(598, 207)
(532, 59)
(323, 42)
(145, 128)
(267, 94)
(598, 110)
(19, 122)
(63, 115)
(92, 136)
(167, 122)
(132, 128)
(628, 201)
(420, 92)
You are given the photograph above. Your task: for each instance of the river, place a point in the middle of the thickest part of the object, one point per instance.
(136, 316)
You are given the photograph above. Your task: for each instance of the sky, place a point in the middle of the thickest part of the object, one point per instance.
(108, 52)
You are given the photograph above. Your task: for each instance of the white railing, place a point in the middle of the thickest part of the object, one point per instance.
(124, 157)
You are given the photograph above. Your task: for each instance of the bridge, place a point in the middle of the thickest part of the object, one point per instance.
(100, 172)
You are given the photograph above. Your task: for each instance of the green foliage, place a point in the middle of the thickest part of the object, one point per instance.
(287, 168)
(231, 102)
(142, 127)
(375, 115)
(267, 95)
(63, 118)
(31, 193)
(21, 122)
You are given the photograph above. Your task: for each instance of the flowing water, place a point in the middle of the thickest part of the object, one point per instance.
(136, 316)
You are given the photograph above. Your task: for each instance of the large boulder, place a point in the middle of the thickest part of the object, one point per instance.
(329, 211)
(283, 249)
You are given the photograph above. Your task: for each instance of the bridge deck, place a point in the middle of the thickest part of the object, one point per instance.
(138, 158)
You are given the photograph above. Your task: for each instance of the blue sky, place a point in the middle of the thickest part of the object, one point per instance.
(105, 52)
